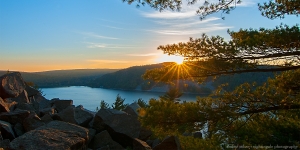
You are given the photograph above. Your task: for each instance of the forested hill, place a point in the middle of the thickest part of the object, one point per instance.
(128, 78)
(59, 78)
(131, 79)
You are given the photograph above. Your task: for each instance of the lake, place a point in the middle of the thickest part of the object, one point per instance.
(90, 97)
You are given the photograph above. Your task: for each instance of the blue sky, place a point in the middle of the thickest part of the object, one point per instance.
(39, 35)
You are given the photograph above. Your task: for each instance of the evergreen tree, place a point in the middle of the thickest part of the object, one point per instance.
(119, 103)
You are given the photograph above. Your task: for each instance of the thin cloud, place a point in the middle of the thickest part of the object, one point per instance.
(92, 34)
(112, 27)
(106, 46)
(169, 14)
(192, 31)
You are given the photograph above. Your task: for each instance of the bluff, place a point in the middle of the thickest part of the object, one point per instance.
(28, 121)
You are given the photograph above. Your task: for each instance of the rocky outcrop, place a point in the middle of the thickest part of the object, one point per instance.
(30, 121)
(11, 85)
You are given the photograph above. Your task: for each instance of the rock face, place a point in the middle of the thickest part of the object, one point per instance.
(11, 85)
(54, 135)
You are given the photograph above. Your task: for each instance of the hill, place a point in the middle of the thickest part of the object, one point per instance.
(59, 78)
(131, 79)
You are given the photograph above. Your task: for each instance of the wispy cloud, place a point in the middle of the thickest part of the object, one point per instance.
(112, 27)
(92, 34)
(191, 31)
(106, 46)
(186, 21)
(169, 14)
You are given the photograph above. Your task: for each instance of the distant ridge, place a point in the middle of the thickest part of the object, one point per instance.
(60, 78)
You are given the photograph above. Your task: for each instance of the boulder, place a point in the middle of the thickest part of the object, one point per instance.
(19, 129)
(102, 140)
(31, 92)
(60, 105)
(132, 109)
(47, 118)
(4, 144)
(145, 134)
(118, 121)
(49, 111)
(82, 117)
(42, 102)
(92, 133)
(75, 116)
(32, 122)
(22, 97)
(25, 106)
(170, 142)
(3, 106)
(140, 145)
(6, 130)
(54, 135)
(11, 85)
(16, 116)
(10, 104)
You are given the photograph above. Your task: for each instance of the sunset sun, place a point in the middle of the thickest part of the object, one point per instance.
(170, 58)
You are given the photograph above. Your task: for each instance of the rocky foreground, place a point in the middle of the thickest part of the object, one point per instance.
(30, 121)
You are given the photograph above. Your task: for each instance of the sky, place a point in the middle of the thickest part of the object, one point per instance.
(40, 35)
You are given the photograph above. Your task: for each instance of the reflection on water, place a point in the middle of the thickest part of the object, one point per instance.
(90, 97)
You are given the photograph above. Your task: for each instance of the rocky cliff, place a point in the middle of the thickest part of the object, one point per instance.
(28, 121)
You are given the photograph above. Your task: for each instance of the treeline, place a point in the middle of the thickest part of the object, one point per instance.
(60, 78)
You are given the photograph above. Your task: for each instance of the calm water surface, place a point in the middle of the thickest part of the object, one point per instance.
(90, 97)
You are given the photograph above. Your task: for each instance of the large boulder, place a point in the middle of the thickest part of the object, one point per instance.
(118, 121)
(11, 85)
(32, 122)
(132, 109)
(31, 92)
(6, 130)
(60, 105)
(14, 117)
(25, 106)
(4, 144)
(54, 135)
(103, 139)
(75, 115)
(170, 142)
(22, 97)
(19, 129)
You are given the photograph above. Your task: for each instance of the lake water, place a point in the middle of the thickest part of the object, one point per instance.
(90, 97)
